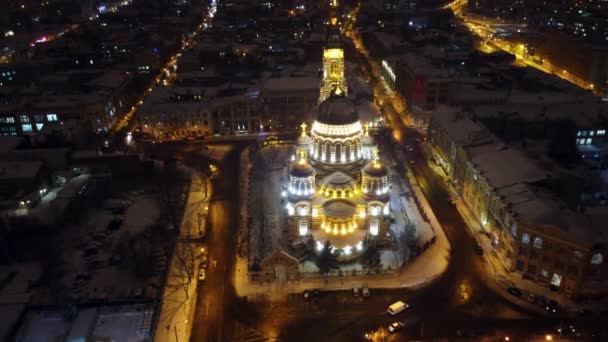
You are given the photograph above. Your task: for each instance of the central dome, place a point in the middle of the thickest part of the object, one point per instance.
(337, 110)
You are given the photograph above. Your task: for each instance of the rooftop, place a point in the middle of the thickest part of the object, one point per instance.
(501, 165)
(461, 130)
(292, 84)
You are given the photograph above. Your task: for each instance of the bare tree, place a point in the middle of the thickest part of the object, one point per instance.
(171, 191)
(185, 264)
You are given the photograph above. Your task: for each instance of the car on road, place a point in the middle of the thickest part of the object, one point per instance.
(356, 291)
(395, 326)
(552, 306)
(365, 292)
(397, 307)
(514, 291)
(478, 249)
(202, 274)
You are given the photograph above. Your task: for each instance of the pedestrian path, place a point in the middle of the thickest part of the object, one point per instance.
(179, 295)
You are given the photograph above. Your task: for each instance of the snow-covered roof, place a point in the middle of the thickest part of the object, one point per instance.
(502, 166)
(460, 129)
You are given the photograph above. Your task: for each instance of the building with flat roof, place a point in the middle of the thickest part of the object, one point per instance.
(514, 199)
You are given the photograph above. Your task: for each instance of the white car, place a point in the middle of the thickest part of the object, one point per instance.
(395, 326)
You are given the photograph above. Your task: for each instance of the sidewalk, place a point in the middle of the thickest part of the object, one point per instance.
(424, 268)
(498, 276)
(179, 299)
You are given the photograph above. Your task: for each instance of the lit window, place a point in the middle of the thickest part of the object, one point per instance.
(303, 227)
(597, 259)
(39, 126)
(578, 134)
(514, 230)
(584, 133)
(26, 127)
(24, 119)
(538, 243)
(302, 211)
(51, 117)
(544, 273)
(588, 142)
(525, 238)
(373, 227)
(591, 133)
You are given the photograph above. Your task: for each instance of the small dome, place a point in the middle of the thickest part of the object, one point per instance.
(338, 180)
(301, 169)
(339, 209)
(375, 169)
(304, 140)
(337, 110)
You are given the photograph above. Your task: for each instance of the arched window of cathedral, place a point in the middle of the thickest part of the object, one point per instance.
(349, 151)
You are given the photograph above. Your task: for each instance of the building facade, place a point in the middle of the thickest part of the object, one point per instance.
(532, 231)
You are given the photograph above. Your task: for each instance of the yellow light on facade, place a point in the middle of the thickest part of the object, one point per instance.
(333, 53)
(335, 230)
(343, 231)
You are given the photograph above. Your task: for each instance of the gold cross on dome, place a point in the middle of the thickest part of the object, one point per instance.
(367, 128)
(303, 127)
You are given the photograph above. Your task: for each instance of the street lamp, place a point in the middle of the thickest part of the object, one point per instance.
(548, 337)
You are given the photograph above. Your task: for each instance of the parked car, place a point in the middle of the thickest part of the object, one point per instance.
(395, 326)
(356, 291)
(514, 291)
(309, 294)
(365, 292)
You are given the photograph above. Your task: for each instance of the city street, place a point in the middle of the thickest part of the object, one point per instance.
(214, 308)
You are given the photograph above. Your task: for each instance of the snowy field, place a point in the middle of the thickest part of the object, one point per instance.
(91, 258)
(265, 232)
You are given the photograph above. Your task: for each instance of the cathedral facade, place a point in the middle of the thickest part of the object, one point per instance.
(335, 188)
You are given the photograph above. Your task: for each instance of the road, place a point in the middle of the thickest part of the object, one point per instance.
(214, 307)
(485, 28)
(166, 75)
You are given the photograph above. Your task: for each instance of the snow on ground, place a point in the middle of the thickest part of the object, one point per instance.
(89, 248)
(265, 199)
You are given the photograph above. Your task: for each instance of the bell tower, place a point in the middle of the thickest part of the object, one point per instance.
(333, 57)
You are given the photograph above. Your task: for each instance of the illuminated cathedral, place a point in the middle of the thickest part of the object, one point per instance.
(335, 187)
